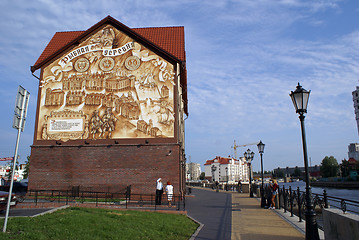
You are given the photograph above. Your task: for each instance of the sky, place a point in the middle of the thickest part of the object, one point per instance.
(243, 58)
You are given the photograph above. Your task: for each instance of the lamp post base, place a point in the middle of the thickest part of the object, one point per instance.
(263, 201)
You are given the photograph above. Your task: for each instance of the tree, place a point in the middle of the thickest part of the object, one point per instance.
(329, 167)
(345, 168)
(297, 172)
(26, 170)
(201, 177)
(278, 173)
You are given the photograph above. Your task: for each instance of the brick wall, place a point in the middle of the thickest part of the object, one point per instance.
(103, 168)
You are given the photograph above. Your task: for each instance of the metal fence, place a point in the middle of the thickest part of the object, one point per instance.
(124, 199)
(293, 200)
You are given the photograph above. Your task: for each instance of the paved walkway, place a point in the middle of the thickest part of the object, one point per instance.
(236, 216)
(250, 221)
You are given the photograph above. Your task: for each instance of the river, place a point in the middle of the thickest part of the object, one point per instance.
(351, 194)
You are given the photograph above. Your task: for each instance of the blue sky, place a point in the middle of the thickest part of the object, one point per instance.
(243, 59)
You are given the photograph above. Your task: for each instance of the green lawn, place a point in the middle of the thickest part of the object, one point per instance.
(93, 223)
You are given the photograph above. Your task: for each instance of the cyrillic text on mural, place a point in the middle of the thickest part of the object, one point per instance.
(122, 89)
(65, 125)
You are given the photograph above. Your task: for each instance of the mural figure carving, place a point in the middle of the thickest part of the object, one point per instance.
(108, 122)
(95, 125)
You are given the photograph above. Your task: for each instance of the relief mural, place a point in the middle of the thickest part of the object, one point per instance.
(108, 87)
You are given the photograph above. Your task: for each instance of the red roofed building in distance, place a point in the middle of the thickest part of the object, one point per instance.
(226, 170)
(110, 110)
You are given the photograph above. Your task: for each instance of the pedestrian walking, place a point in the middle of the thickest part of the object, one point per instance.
(159, 191)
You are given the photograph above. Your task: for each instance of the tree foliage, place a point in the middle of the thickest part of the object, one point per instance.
(329, 167)
(297, 172)
(26, 170)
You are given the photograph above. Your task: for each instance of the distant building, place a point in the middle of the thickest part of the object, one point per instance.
(19, 172)
(226, 169)
(356, 105)
(353, 151)
(289, 171)
(193, 171)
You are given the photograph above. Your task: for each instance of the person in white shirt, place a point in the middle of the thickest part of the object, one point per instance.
(169, 192)
(159, 191)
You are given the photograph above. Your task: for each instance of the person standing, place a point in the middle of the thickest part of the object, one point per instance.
(169, 192)
(273, 187)
(159, 191)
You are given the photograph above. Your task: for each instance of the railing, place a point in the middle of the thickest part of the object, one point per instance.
(124, 199)
(294, 202)
(221, 186)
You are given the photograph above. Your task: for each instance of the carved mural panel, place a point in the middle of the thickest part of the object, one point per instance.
(108, 87)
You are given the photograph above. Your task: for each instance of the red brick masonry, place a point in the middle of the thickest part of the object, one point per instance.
(104, 168)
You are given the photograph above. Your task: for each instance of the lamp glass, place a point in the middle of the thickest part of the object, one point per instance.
(300, 99)
(260, 146)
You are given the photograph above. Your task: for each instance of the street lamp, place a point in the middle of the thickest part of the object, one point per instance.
(260, 146)
(227, 174)
(300, 99)
(213, 168)
(249, 157)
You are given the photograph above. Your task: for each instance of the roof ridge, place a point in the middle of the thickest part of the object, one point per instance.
(159, 27)
(71, 31)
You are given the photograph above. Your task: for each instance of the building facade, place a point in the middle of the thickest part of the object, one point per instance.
(353, 151)
(99, 120)
(356, 105)
(226, 170)
(193, 171)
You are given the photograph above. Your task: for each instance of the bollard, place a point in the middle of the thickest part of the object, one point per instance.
(325, 198)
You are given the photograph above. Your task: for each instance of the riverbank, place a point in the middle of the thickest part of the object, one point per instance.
(347, 185)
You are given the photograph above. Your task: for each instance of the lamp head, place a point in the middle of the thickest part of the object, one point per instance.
(300, 99)
(260, 146)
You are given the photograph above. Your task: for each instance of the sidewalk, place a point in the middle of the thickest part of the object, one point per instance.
(250, 221)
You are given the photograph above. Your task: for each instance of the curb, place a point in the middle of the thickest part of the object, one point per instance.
(51, 211)
(194, 235)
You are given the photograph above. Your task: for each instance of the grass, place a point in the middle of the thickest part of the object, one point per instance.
(94, 223)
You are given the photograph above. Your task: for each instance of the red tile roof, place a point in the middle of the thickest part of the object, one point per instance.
(220, 160)
(168, 41)
(352, 160)
(58, 41)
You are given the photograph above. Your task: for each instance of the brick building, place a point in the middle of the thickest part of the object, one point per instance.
(90, 144)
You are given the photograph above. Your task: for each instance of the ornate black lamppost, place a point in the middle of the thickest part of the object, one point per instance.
(300, 99)
(249, 157)
(260, 146)
(213, 168)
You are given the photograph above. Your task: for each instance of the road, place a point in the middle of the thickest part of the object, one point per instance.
(214, 210)
(21, 212)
